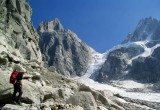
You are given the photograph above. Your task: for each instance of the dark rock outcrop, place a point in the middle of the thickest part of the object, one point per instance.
(146, 69)
(118, 63)
(62, 50)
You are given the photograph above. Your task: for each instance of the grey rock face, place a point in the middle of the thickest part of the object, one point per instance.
(62, 49)
(138, 56)
(17, 31)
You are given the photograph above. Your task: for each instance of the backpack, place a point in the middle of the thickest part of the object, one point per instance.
(13, 77)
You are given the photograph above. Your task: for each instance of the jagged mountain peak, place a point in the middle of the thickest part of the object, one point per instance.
(49, 26)
(137, 57)
(147, 29)
(63, 50)
(148, 21)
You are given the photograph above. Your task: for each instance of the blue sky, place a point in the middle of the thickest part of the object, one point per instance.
(102, 24)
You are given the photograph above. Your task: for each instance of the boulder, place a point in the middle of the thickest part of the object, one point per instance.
(56, 93)
(106, 93)
(97, 95)
(3, 60)
(65, 92)
(101, 108)
(83, 99)
(31, 93)
(43, 83)
(115, 106)
(14, 58)
(75, 108)
(17, 107)
(46, 108)
(6, 88)
(34, 65)
(49, 92)
(117, 100)
(36, 76)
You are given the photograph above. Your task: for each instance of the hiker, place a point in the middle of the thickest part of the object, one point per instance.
(18, 87)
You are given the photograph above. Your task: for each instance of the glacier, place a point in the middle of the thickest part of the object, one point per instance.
(121, 87)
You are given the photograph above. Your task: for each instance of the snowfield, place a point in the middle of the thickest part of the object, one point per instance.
(125, 88)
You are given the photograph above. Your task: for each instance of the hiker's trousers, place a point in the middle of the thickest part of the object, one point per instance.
(17, 88)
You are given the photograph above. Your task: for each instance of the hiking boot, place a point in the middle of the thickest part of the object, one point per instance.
(19, 103)
(14, 102)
